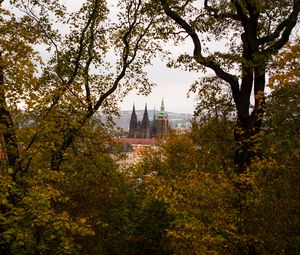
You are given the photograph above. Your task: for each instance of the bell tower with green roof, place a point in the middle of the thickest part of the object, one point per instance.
(162, 112)
(162, 122)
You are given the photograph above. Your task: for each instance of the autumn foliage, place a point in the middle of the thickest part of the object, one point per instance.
(230, 185)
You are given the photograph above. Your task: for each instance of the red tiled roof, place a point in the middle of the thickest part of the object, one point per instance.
(135, 141)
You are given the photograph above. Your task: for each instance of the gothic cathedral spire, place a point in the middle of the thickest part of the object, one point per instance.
(145, 124)
(133, 124)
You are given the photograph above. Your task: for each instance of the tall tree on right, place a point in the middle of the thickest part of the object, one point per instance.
(253, 31)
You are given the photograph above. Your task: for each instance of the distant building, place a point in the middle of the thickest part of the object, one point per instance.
(161, 122)
(145, 129)
(137, 144)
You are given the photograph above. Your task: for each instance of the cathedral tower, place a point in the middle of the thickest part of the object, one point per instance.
(145, 129)
(133, 124)
(153, 125)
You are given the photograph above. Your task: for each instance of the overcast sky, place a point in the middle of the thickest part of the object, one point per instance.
(171, 84)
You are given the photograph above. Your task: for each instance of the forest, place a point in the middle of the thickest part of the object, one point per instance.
(228, 186)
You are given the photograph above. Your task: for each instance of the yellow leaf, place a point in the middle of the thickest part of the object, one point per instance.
(82, 220)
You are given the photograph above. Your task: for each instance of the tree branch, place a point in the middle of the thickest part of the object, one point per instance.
(81, 43)
(286, 26)
(126, 61)
(240, 12)
(206, 61)
(214, 12)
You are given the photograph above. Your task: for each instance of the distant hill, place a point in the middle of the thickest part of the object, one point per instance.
(176, 120)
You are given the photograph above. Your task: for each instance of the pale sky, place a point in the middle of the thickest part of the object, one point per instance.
(171, 84)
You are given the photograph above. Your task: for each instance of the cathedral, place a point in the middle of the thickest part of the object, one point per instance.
(145, 129)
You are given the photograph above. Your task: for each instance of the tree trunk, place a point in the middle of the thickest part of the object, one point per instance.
(245, 141)
(7, 130)
(57, 156)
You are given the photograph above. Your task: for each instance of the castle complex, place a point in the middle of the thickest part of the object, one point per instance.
(145, 129)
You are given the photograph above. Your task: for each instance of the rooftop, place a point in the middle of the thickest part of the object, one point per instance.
(135, 141)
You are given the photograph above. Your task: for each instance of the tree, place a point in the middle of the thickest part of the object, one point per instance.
(80, 78)
(195, 193)
(214, 101)
(285, 68)
(277, 178)
(60, 99)
(207, 212)
(16, 79)
(211, 209)
(255, 31)
(215, 144)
